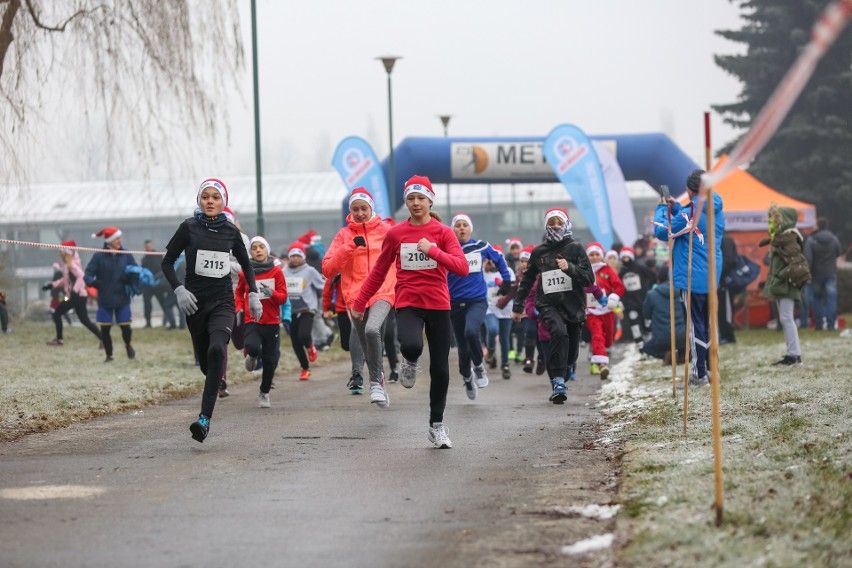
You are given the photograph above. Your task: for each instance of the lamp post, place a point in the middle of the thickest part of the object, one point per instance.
(388, 61)
(260, 228)
(445, 120)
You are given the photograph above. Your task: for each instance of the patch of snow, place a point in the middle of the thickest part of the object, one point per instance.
(662, 500)
(598, 542)
(593, 511)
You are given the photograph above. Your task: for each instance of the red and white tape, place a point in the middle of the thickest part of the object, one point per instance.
(88, 249)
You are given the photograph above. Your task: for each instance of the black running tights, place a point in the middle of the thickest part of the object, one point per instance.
(410, 323)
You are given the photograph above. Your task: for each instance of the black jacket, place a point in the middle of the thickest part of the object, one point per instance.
(543, 260)
(822, 249)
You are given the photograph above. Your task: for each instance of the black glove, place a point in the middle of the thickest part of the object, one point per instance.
(47, 286)
(504, 288)
(359, 241)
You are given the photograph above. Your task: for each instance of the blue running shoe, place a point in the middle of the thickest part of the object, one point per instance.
(572, 372)
(200, 428)
(558, 396)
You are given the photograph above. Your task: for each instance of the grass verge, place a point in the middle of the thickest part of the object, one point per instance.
(44, 387)
(786, 451)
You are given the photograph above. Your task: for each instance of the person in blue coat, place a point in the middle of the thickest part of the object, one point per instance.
(107, 272)
(681, 222)
(469, 302)
(656, 309)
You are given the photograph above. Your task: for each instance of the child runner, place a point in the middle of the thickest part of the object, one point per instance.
(303, 284)
(469, 302)
(207, 298)
(72, 285)
(565, 271)
(353, 253)
(498, 317)
(422, 250)
(638, 281)
(262, 336)
(599, 304)
(107, 273)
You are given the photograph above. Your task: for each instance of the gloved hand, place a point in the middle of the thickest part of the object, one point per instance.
(614, 299)
(359, 241)
(265, 291)
(255, 307)
(47, 286)
(241, 317)
(602, 301)
(186, 300)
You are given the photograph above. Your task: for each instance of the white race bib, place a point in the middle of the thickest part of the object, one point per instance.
(474, 261)
(265, 283)
(212, 263)
(591, 301)
(632, 282)
(492, 294)
(295, 285)
(412, 259)
(554, 281)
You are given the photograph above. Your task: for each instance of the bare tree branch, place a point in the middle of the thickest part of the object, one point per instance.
(60, 27)
(6, 35)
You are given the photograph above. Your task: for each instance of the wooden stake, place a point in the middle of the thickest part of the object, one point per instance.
(715, 376)
(671, 309)
(688, 322)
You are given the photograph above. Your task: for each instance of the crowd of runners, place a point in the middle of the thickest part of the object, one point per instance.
(393, 283)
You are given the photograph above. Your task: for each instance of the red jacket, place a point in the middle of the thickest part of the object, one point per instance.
(416, 286)
(328, 295)
(272, 278)
(608, 281)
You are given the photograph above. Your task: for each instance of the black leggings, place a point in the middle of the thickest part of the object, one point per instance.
(344, 324)
(126, 335)
(410, 324)
(300, 336)
(78, 304)
(564, 341)
(210, 328)
(390, 340)
(262, 340)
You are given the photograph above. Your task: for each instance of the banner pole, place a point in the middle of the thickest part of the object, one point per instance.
(707, 153)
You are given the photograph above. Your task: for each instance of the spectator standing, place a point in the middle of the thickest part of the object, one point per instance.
(821, 250)
(726, 311)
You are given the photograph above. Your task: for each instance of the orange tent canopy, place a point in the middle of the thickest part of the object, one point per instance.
(746, 201)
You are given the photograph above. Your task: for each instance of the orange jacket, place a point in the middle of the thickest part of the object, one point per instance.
(355, 263)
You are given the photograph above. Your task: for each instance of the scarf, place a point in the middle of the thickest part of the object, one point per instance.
(557, 233)
(215, 223)
(261, 267)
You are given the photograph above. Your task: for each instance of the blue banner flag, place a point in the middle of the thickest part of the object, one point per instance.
(571, 155)
(358, 167)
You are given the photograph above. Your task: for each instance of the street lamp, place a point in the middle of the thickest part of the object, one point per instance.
(388, 61)
(445, 120)
(257, 172)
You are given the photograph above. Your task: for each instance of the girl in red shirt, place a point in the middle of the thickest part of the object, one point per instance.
(421, 250)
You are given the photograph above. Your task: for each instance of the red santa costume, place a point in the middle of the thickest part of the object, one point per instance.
(601, 299)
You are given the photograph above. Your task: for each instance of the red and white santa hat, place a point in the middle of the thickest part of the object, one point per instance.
(259, 239)
(66, 244)
(310, 238)
(390, 221)
(595, 247)
(498, 248)
(419, 184)
(514, 241)
(363, 195)
(526, 252)
(611, 253)
(556, 212)
(462, 217)
(109, 234)
(229, 214)
(297, 249)
(216, 184)
(628, 252)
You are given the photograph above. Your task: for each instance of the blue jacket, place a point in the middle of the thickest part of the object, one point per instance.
(106, 272)
(656, 309)
(680, 253)
(473, 286)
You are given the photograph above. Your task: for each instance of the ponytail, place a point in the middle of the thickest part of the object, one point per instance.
(435, 215)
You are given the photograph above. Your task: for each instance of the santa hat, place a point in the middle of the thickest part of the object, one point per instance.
(527, 251)
(419, 184)
(498, 248)
(66, 244)
(216, 184)
(628, 252)
(513, 242)
(595, 247)
(363, 195)
(611, 253)
(109, 234)
(229, 214)
(556, 212)
(390, 221)
(310, 238)
(259, 239)
(297, 249)
(462, 217)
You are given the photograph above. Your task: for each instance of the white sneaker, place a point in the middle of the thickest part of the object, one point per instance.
(263, 400)
(408, 373)
(438, 435)
(378, 394)
(481, 377)
(470, 387)
(251, 363)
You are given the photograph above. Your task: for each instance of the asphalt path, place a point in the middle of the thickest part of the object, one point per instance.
(323, 478)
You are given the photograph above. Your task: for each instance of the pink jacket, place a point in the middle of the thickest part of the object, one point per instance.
(354, 263)
(75, 270)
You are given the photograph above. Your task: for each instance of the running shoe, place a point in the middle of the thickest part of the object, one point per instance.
(200, 428)
(312, 353)
(604, 371)
(223, 389)
(408, 373)
(394, 376)
(512, 354)
(558, 396)
(306, 374)
(572, 372)
(507, 372)
(251, 363)
(263, 400)
(540, 367)
(789, 361)
(699, 382)
(481, 377)
(595, 369)
(439, 435)
(131, 353)
(55, 341)
(108, 359)
(528, 366)
(470, 387)
(491, 359)
(378, 394)
(356, 384)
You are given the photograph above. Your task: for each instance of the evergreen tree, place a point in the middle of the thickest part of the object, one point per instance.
(810, 157)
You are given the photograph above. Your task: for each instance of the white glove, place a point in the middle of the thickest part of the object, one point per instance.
(265, 291)
(613, 300)
(255, 307)
(186, 300)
